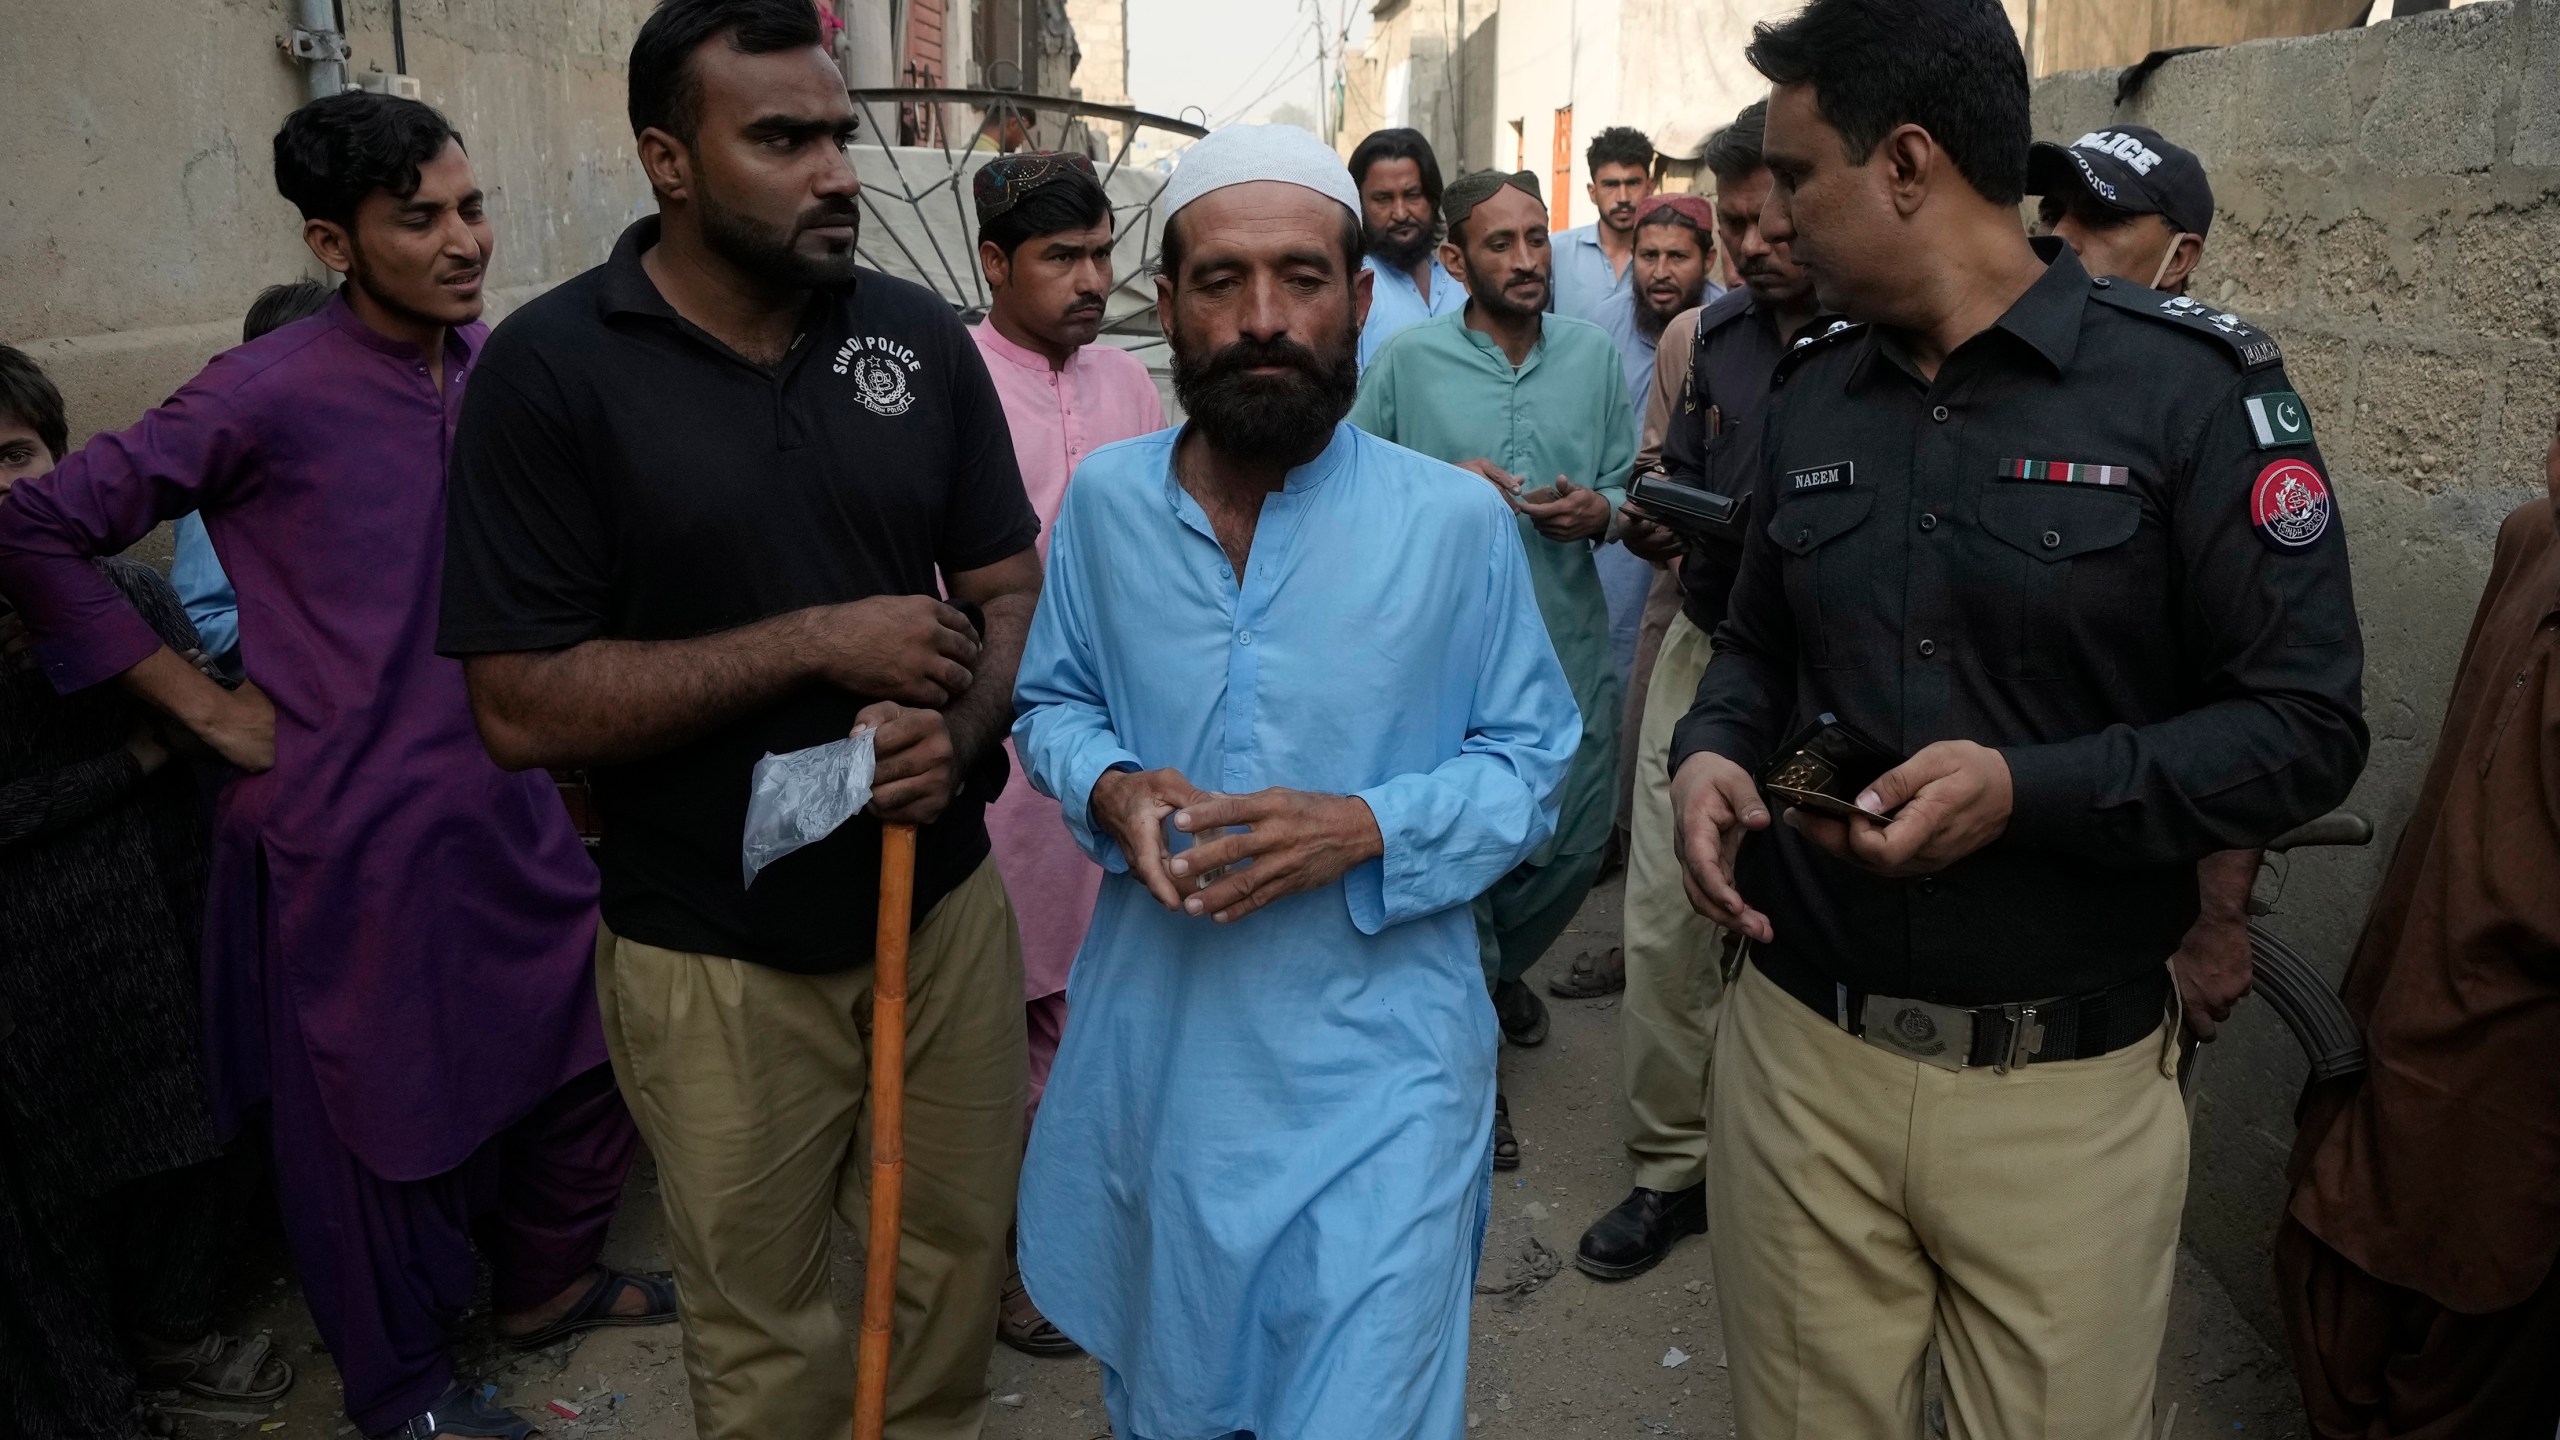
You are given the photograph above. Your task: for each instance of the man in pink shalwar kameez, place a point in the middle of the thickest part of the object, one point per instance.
(1044, 241)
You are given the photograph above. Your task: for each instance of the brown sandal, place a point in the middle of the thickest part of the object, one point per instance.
(245, 1369)
(1020, 1324)
(1595, 973)
(1506, 1146)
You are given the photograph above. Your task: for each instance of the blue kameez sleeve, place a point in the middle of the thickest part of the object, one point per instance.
(1453, 831)
(1063, 732)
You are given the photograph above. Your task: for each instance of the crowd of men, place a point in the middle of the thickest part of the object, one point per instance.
(1934, 618)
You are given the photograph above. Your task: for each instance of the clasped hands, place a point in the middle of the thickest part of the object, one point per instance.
(1946, 802)
(1262, 847)
(1564, 511)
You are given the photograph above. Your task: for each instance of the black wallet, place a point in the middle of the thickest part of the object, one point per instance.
(1825, 767)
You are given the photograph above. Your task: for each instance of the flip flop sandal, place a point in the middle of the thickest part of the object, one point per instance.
(1595, 973)
(1020, 1324)
(462, 1411)
(221, 1367)
(594, 1310)
(1506, 1146)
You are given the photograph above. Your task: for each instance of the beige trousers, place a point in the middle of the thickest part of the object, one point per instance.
(1667, 1036)
(750, 1087)
(1863, 1202)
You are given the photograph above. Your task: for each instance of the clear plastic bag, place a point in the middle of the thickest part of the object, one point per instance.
(800, 798)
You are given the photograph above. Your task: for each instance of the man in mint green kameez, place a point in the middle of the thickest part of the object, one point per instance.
(1536, 404)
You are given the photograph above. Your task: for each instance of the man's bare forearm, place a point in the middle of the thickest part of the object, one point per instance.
(2223, 882)
(979, 719)
(1005, 593)
(602, 702)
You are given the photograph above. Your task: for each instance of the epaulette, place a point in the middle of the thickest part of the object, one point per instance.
(1732, 305)
(2254, 348)
(1808, 346)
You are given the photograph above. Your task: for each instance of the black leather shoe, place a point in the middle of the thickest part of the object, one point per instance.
(1522, 1013)
(1633, 1238)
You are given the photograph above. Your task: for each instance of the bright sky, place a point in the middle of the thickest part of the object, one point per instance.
(1234, 59)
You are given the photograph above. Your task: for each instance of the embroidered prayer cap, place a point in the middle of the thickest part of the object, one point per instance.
(1692, 208)
(1239, 154)
(1008, 180)
(1477, 186)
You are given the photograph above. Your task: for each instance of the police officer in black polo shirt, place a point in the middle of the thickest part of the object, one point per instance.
(703, 511)
(2057, 553)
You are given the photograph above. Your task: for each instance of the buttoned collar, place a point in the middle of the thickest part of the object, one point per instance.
(1328, 463)
(996, 342)
(342, 316)
(1439, 275)
(626, 289)
(1491, 351)
(2046, 320)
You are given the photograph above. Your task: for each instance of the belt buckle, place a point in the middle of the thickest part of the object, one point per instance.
(2026, 1038)
(1940, 1035)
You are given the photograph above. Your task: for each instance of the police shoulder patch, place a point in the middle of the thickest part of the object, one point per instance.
(1813, 343)
(2254, 348)
(2289, 505)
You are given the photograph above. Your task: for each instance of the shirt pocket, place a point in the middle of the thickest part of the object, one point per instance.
(1818, 535)
(2063, 564)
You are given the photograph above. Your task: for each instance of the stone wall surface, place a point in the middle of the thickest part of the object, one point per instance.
(138, 210)
(2388, 205)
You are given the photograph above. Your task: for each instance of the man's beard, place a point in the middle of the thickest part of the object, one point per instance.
(1277, 417)
(1498, 299)
(1403, 255)
(1650, 323)
(767, 252)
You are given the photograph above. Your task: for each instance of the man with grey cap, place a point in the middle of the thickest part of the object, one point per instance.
(1258, 1185)
(1536, 403)
(2134, 206)
(2127, 202)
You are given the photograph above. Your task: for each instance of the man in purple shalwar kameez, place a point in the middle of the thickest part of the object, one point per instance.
(398, 931)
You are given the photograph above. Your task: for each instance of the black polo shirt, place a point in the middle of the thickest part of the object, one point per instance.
(617, 472)
(2101, 541)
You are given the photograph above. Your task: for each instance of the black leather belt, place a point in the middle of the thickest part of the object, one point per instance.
(1955, 1037)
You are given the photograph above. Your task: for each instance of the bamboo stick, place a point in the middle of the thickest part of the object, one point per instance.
(888, 1129)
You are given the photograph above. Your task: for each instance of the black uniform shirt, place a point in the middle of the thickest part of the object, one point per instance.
(2101, 542)
(618, 472)
(1712, 440)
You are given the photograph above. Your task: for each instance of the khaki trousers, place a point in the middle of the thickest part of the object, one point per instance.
(1863, 1201)
(750, 1087)
(1668, 1035)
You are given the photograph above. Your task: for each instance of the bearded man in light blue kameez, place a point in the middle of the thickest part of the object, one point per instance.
(1313, 662)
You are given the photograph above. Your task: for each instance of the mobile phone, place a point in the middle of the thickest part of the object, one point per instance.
(1825, 768)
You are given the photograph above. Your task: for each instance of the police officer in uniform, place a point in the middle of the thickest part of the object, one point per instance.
(2061, 550)
(1710, 442)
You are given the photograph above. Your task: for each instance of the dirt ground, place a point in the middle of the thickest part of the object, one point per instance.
(1571, 1358)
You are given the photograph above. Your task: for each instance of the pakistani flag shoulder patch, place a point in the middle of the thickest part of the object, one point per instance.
(2279, 419)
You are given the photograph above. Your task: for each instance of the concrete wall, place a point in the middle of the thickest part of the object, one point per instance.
(2389, 207)
(139, 214)
(1102, 30)
(2074, 34)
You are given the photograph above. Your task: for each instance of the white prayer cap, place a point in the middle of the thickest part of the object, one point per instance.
(1240, 153)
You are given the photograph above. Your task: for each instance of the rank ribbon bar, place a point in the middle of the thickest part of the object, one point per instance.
(2066, 472)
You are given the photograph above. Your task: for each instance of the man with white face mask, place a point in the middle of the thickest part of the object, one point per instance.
(2127, 202)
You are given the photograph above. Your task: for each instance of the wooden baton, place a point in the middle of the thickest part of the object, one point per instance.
(888, 1129)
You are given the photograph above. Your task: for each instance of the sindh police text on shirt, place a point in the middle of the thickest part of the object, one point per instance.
(2101, 540)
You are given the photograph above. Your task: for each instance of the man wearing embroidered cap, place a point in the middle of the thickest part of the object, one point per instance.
(1317, 720)
(1044, 245)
